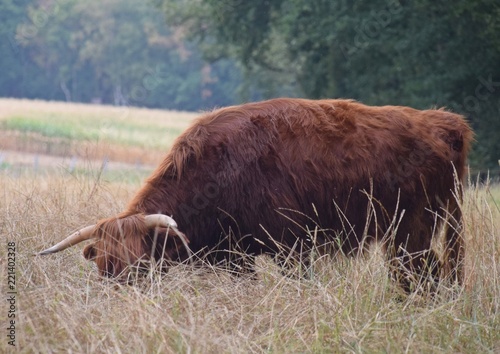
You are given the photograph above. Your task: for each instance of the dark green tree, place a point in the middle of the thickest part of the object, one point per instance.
(421, 53)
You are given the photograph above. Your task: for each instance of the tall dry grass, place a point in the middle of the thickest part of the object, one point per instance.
(349, 305)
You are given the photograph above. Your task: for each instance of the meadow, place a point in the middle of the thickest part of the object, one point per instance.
(348, 306)
(123, 134)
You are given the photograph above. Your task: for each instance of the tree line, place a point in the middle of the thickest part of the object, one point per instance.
(199, 54)
(118, 52)
(420, 53)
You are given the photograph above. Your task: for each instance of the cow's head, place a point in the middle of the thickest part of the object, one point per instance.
(129, 241)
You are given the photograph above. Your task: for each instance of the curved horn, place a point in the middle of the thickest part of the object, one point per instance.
(71, 240)
(154, 220)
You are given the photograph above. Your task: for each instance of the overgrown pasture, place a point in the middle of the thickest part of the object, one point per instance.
(348, 305)
(89, 132)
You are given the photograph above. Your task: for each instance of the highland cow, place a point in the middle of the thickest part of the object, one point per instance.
(285, 176)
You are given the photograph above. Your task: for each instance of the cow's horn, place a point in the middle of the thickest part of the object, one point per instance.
(161, 220)
(71, 240)
(152, 220)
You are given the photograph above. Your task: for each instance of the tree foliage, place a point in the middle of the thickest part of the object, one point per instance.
(111, 51)
(14, 64)
(420, 53)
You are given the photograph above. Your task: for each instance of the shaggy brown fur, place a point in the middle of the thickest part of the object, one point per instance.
(252, 179)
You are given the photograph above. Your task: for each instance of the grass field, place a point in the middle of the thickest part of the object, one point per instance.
(349, 305)
(91, 132)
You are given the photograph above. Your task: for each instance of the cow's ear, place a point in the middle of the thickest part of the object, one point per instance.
(89, 252)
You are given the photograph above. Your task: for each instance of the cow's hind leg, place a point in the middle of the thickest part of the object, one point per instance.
(413, 270)
(413, 263)
(454, 244)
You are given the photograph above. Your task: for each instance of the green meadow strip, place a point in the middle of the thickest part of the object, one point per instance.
(127, 133)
